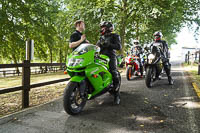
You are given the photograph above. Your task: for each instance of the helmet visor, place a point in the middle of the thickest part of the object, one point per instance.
(156, 37)
(103, 30)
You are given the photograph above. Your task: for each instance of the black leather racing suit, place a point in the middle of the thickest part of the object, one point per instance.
(165, 58)
(109, 43)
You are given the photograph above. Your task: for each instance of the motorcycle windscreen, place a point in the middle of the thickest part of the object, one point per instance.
(84, 48)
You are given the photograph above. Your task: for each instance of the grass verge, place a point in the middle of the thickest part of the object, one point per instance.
(12, 102)
(193, 72)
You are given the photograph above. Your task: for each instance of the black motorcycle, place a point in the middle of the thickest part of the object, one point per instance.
(153, 65)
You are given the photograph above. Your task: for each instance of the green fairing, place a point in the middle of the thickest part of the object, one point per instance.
(100, 82)
(119, 61)
(87, 57)
(77, 78)
(83, 63)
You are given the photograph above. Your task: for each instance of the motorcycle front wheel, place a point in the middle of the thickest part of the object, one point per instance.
(129, 72)
(149, 77)
(72, 102)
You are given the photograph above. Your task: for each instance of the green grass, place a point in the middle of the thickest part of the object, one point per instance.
(11, 102)
(186, 64)
(193, 71)
(8, 82)
(196, 77)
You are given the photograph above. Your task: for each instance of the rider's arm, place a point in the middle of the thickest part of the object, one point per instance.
(166, 48)
(75, 41)
(116, 42)
(101, 41)
(75, 44)
(98, 43)
(148, 47)
(132, 49)
(140, 50)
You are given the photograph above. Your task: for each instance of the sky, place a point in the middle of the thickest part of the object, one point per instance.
(186, 39)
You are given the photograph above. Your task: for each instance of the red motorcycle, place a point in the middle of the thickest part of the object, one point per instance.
(133, 66)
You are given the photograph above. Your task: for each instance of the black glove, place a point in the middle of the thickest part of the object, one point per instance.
(104, 42)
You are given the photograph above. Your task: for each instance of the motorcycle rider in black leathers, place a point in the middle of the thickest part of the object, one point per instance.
(110, 42)
(165, 55)
(138, 51)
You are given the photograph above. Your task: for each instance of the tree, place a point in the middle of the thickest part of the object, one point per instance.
(135, 19)
(51, 22)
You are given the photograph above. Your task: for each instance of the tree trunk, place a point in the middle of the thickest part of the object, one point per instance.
(51, 55)
(15, 62)
(137, 30)
(123, 26)
(61, 58)
(122, 35)
(66, 52)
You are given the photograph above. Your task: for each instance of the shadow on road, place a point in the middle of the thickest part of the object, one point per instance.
(161, 108)
(132, 114)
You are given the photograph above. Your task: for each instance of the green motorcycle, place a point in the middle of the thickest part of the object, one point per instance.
(120, 61)
(90, 77)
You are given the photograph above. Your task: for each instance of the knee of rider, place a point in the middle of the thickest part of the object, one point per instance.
(115, 73)
(166, 67)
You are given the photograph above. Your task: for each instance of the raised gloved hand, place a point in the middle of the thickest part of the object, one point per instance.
(104, 42)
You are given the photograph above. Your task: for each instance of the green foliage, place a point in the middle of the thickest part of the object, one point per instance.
(51, 22)
(136, 19)
(39, 20)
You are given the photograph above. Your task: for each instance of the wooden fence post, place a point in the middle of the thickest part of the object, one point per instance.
(188, 60)
(199, 64)
(26, 72)
(25, 83)
(4, 73)
(185, 58)
(46, 70)
(195, 56)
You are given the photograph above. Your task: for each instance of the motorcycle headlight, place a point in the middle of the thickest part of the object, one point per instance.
(74, 62)
(151, 57)
(126, 60)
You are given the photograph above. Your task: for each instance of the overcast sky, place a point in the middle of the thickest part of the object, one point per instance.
(186, 39)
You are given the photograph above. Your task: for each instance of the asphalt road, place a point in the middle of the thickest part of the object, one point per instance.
(161, 109)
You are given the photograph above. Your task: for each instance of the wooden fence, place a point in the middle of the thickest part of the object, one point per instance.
(193, 58)
(39, 70)
(26, 86)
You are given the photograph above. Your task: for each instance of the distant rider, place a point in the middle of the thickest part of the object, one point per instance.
(137, 50)
(165, 55)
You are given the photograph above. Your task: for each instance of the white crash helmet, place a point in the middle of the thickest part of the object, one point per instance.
(135, 43)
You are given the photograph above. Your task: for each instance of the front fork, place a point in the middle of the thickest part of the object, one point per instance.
(82, 84)
(82, 88)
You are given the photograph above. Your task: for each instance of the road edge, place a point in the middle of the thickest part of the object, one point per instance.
(196, 88)
(194, 84)
(22, 113)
